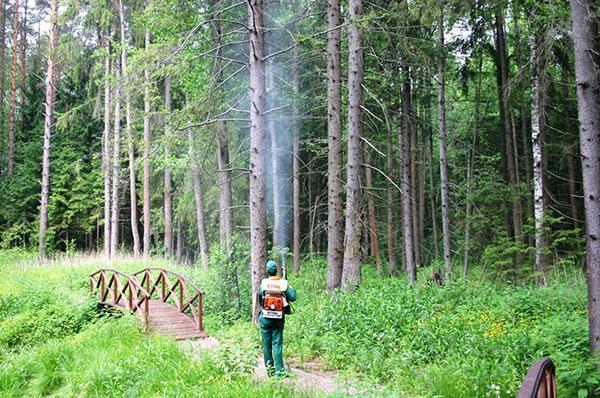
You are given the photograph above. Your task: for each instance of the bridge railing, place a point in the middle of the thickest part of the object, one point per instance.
(117, 288)
(169, 285)
(540, 381)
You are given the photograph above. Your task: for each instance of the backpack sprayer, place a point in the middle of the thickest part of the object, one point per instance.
(284, 251)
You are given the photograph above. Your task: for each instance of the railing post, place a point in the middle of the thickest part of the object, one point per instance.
(180, 294)
(146, 312)
(130, 295)
(115, 288)
(102, 285)
(164, 280)
(147, 276)
(200, 327)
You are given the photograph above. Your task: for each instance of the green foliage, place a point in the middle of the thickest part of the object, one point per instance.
(461, 340)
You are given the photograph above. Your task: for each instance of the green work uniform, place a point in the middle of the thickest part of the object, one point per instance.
(271, 331)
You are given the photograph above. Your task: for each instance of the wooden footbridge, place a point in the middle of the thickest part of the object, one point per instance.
(166, 302)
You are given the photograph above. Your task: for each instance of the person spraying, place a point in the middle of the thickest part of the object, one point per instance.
(274, 296)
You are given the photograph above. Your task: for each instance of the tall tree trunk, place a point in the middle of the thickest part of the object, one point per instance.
(130, 141)
(507, 127)
(537, 127)
(372, 223)
(421, 195)
(168, 189)
(443, 147)
(571, 147)
(391, 246)
(199, 201)
(584, 15)
(116, 165)
(23, 58)
(429, 129)
(48, 126)
(414, 179)
(258, 221)
(296, 160)
(179, 246)
(106, 147)
(404, 143)
(335, 212)
(147, 176)
(13, 90)
(525, 137)
(471, 167)
(2, 70)
(351, 270)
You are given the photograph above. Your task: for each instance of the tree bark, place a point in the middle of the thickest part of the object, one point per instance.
(258, 222)
(571, 174)
(429, 129)
(296, 160)
(414, 180)
(23, 66)
(537, 126)
(48, 125)
(584, 15)
(391, 246)
(373, 239)
(13, 91)
(199, 201)
(2, 70)
(130, 142)
(404, 143)
(168, 189)
(116, 166)
(106, 147)
(351, 270)
(443, 147)
(335, 214)
(147, 176)
(507, 127)
(179, 246)
(471, 167)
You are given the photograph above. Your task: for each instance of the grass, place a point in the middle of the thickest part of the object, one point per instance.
(466, 339)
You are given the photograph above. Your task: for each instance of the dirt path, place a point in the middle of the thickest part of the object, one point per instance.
(312, 379)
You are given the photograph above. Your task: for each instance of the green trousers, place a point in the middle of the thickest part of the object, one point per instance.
(272, 340)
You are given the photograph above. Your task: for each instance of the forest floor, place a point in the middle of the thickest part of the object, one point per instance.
(311, 377)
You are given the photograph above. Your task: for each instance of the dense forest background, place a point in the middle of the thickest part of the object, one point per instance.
(185, 138)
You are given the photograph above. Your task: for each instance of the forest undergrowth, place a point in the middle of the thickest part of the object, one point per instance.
(470, 338)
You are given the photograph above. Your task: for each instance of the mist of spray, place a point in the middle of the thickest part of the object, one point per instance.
(278, 122)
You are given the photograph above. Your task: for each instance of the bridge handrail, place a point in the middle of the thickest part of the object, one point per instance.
(183, 305)
(98, 280)
(541, 377)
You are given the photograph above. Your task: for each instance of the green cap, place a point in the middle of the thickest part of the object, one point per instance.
(271, 268)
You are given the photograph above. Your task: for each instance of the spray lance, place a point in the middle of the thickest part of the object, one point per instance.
(284, 251)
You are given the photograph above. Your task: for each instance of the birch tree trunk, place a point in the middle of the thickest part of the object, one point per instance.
(351, 270)
(335, 220)
(429, 129)
(106, 147)
(443, 147)
(13, 91)
(116, 166)
(147, 176)
(296, 161)
(414, 180)
(258, 222)
(199, 201)
(404, 143)
(130, 144)
(584, 14)
(168, 189)
(537, 126)
(48, 125)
